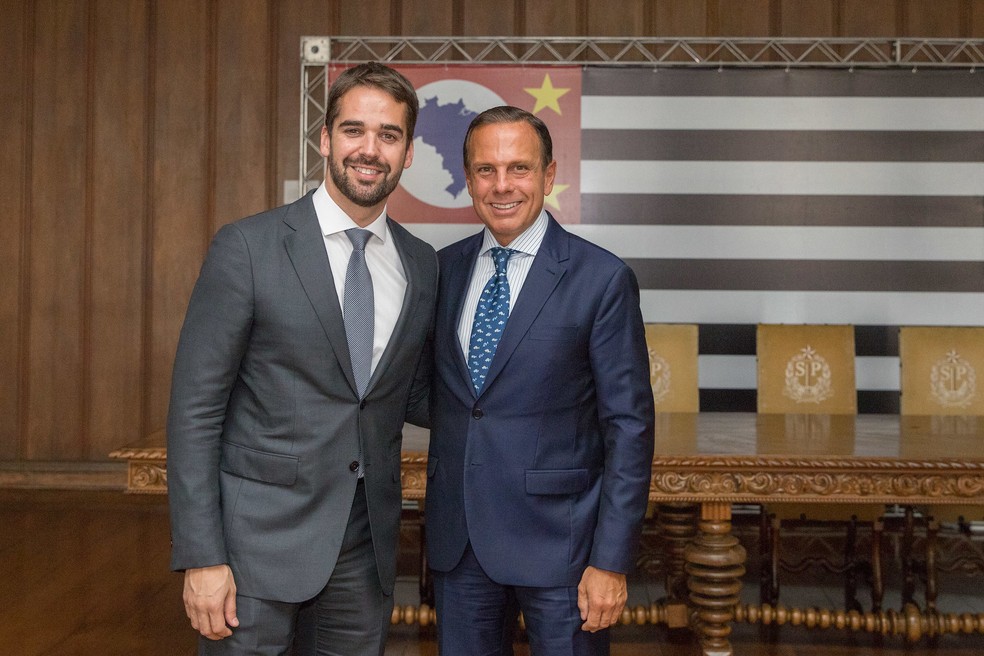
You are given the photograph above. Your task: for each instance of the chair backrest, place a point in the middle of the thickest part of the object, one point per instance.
(673, 366)
(939, 367)
(806, 369)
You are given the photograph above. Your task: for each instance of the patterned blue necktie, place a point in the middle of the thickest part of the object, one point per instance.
(490, 319)
(358, 309)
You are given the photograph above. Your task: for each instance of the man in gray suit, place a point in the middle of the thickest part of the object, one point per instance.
(293, 376)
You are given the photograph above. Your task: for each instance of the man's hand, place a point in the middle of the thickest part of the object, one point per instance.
(601, 597)
(210, 601)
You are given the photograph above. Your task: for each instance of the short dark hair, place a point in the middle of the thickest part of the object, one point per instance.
(378, 76)
(510, 114)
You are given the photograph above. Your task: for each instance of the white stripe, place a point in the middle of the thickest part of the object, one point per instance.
(758, 242)
(787, 242)
(780, 113)
(782, 178)
(860, 308)
(739, 372)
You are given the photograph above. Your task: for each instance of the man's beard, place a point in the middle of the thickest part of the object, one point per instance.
(363, 195)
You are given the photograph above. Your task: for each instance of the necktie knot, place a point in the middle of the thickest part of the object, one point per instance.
(501, 257)
(358, 237)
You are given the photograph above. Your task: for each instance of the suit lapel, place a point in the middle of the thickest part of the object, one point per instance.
(306, 249)
(410, 299)
(547, 270)
(456, 287)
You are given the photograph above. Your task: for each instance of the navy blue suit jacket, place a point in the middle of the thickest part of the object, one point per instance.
(548, 470)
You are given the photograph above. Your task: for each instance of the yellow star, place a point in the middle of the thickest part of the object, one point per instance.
(551, 200)
(547, 95)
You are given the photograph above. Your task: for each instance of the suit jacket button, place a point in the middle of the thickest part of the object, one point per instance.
(354, 466)
(477, 413)
(362, 406)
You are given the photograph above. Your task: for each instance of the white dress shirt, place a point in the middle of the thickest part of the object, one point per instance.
(389, 279)
(526, 246)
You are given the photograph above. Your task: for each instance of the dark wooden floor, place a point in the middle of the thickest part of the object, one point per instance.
(85, 574)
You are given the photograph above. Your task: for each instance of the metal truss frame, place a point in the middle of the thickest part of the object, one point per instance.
(655, 52)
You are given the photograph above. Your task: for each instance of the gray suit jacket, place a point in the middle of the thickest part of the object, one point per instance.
(265, 419)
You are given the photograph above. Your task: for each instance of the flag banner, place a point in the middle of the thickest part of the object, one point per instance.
(433, 189)
(746, 196)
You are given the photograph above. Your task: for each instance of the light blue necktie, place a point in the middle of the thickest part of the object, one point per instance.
(490, 319)
(358, 309)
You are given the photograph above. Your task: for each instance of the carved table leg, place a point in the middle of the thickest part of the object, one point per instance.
(715, 564)
(677, 524)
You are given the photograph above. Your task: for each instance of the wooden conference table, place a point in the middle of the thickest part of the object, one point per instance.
(719, 459)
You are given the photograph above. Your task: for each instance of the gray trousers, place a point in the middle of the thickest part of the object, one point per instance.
(349, 617)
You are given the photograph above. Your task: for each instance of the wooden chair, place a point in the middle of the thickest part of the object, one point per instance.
(673, 374)
(939, 367)
(809, 370)
(806, 369)
(673, 366)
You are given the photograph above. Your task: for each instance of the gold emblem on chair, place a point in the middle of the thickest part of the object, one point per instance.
(808, 377)
(953, 381)
(659, 376)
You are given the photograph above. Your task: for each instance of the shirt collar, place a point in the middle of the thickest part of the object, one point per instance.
(528, 242)
(333, 219)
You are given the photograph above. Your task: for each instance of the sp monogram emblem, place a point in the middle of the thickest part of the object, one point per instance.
(953, 381)
(808, 377)
(659, 376)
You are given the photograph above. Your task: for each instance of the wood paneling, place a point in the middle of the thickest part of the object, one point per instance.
(180, 209)
(940, 18)
(133, 129)
(426, 17)
(869, 18)
(746, 18)
(58, 227)
(557, 18)
(117, 185)
(295, 19)
(807, 19)
(15, 126)
(629, 18)
(680, 18)
(368, 17)
(489, 18)
(242, 130)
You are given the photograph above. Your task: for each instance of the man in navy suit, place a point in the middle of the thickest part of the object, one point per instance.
(542, 414)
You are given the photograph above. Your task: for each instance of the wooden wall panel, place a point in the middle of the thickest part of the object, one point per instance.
(58, 197)
(940, 18)
(557, 18)
(807, 19)
(117, 189)
(680, 18)
(861, 18)
(616, 19)
(242, 131)
(365, 18)
(295, 19)
(746, 18)
(426, 17)
(15, 97)
(976, 19)
(489, 18)
(182, 179)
